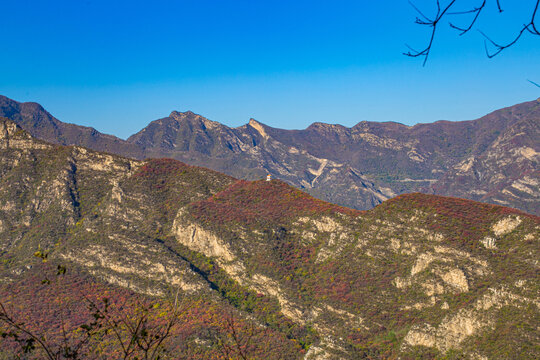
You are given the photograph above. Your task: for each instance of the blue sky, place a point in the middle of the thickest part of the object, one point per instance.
(117, 65)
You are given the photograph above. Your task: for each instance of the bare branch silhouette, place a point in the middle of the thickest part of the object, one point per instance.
(447, 12)
(431, 23)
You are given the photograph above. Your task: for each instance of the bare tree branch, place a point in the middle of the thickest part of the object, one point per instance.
(431, 23)
(444, 12)
(477, 12)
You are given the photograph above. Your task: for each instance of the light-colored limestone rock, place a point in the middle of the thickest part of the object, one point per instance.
(455, 328)
(449, 334)
(97, 257)
(506, 225)
(489, 242)
(401, 283)
(445, 306)
(317, 353)
(457, 279)
(327, 224)
(260, 129)
(422, 262)
(198, 239)
(433, 288)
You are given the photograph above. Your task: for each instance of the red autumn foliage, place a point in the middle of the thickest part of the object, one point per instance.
(463, 220)
(51, 309)
(161, 167)
(252, 202)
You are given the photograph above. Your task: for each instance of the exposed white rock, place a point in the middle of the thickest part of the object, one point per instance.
(389, 193)
(488, 242)
(199, 239)
(97, 257)
(454, 329)
(445, 306)
(422, 262)
(293, 150)
(433, 288)
(395, 244)
(506, 225)
(457, 279)
(449, 334)
(528, 153)
(116, 192)
(327, 224)
(465, 165)
(527, 185)
(424, 337)
(401, 283)
(462, 255)
(435, 237)
(319, 171)
(268, 286)
(498, 298)
(317, 353)
(415, 156)
(260, 129)
(12, 137)
(375, 140)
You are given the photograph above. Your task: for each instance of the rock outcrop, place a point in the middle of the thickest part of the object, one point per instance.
(493, 159)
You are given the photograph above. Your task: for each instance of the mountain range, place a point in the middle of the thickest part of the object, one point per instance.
(418, 276)
(493, 159)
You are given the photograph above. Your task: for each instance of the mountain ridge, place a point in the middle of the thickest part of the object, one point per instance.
(358, 166)
(418, 276)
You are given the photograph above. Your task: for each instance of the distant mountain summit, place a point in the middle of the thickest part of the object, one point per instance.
(418, 277)
(39, 123)
(492, 159)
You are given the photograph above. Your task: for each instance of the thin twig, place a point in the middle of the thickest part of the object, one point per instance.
(447, 11)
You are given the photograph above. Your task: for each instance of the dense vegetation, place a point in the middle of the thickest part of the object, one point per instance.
(258, 264)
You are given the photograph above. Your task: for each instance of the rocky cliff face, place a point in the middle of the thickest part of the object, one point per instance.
(505, 173)
(250, 152)
(418, 276)
(492, 159)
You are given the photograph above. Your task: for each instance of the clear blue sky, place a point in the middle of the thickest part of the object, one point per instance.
(117, 65)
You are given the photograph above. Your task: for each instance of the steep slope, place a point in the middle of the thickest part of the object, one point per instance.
(507, 172)
(370, 162)
(33, 118)
(419, 276)
(103, 217)
(358, 167)
(249, 152)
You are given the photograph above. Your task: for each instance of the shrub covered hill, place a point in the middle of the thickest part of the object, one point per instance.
(493, 159)
(419, 276)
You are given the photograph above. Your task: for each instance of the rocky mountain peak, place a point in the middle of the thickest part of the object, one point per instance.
(491, 159)
(327, 128)
(186, 114)
(193, 118)
(259, 127)
(419, 276)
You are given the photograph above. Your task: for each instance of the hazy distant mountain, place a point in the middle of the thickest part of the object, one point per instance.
(492, 159)
(419, 276)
